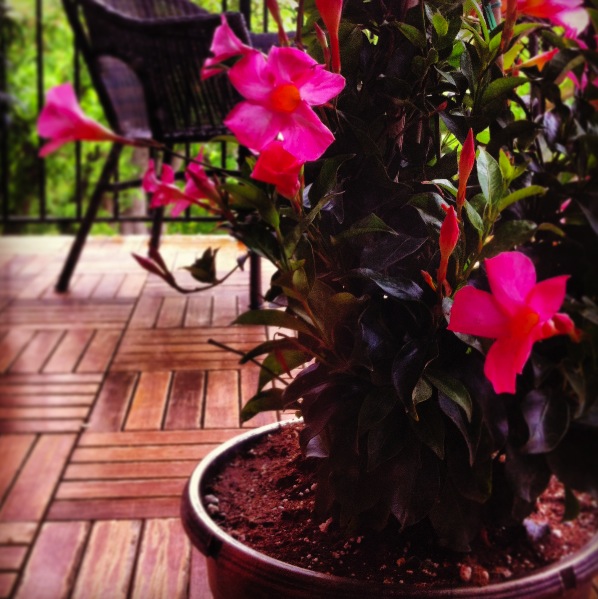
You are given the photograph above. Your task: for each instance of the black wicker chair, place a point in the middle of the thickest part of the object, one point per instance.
(144, 58)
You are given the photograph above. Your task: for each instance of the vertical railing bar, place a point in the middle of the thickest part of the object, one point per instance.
(40, 101)
(3, 124)
(78, 149)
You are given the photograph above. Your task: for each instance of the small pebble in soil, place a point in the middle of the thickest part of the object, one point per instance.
(465, 573)
(480, 576)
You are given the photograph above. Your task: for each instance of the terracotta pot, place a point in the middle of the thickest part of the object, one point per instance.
(238, 572)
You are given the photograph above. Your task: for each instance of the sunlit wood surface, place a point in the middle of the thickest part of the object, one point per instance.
(109, 396)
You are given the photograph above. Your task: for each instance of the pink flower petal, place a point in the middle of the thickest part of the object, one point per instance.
(304, 134)
(475, 312)
(505, 360)
(547, 296)
(252, 77)
(322, 86)
(511, 276)
(254, 126)
(289, 65)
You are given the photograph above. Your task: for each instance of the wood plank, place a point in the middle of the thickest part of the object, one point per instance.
(157, 487)
(222, 399)
(225, 310)
(12, 345)
(45, 379)
(84, 284)
(17, 533)
(130, 470)
(149, 402)
(33, 488)
(147, 453)
(109, 560)
(41, 412)
(186, 401)
(10, 388)
(199, 311)
(100, 351)
(69, 350)
(146, 313)
(115, 509)
(211, 436)
(49, 573)
(33, 357)
(164, 562)
(40, 426)
(132, 285)
(108, 286)
(7, 583)
(111, 406)
(12, 556)
(198, 583)
(14, 450)
(136, 363)
(172, 313)
(46, 400)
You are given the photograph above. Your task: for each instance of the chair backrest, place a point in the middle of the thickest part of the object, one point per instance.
(145, 56)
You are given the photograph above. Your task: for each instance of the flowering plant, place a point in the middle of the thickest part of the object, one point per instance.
(422, 174)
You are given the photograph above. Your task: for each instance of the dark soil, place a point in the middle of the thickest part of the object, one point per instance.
(265, 499)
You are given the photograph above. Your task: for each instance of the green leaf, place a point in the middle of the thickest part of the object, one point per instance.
(490, 178)
(508, 236)
(499, 88)
(430, 427)
(270, 399)
(401, 288)
(376, 406)
(274, 318)
(326, 180)
(413, 34)
(422, 392)
(365, 226)
(547, 418)
(453, 389)
(281, 362)
(271, 345)
(474, 218)
(520, 194)
(440, 24)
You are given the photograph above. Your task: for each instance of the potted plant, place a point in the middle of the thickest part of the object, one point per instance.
(422, 174)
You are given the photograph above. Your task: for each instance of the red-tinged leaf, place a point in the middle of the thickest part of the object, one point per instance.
(148, 265)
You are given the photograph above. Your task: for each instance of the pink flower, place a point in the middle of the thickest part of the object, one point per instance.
(279, 92)
(517, 313)
(198, 185)
(225, 45)
(164, 191)
(449, 235)
(276, 166)
(569, 14)
(466, 162)
(62, 120)
(330, 11)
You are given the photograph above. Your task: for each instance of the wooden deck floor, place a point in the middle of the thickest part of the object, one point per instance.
(109, 396)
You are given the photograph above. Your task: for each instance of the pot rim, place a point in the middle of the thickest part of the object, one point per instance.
(570, 572)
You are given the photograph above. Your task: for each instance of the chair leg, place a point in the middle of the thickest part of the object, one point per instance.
(94, 203)
(255, 281)
(156, 228)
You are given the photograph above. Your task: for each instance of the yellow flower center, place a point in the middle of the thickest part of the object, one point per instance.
(285, 98)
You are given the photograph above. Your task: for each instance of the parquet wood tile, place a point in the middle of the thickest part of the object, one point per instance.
(109, 560)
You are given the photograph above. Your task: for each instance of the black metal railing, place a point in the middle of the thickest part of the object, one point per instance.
(14, 216)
